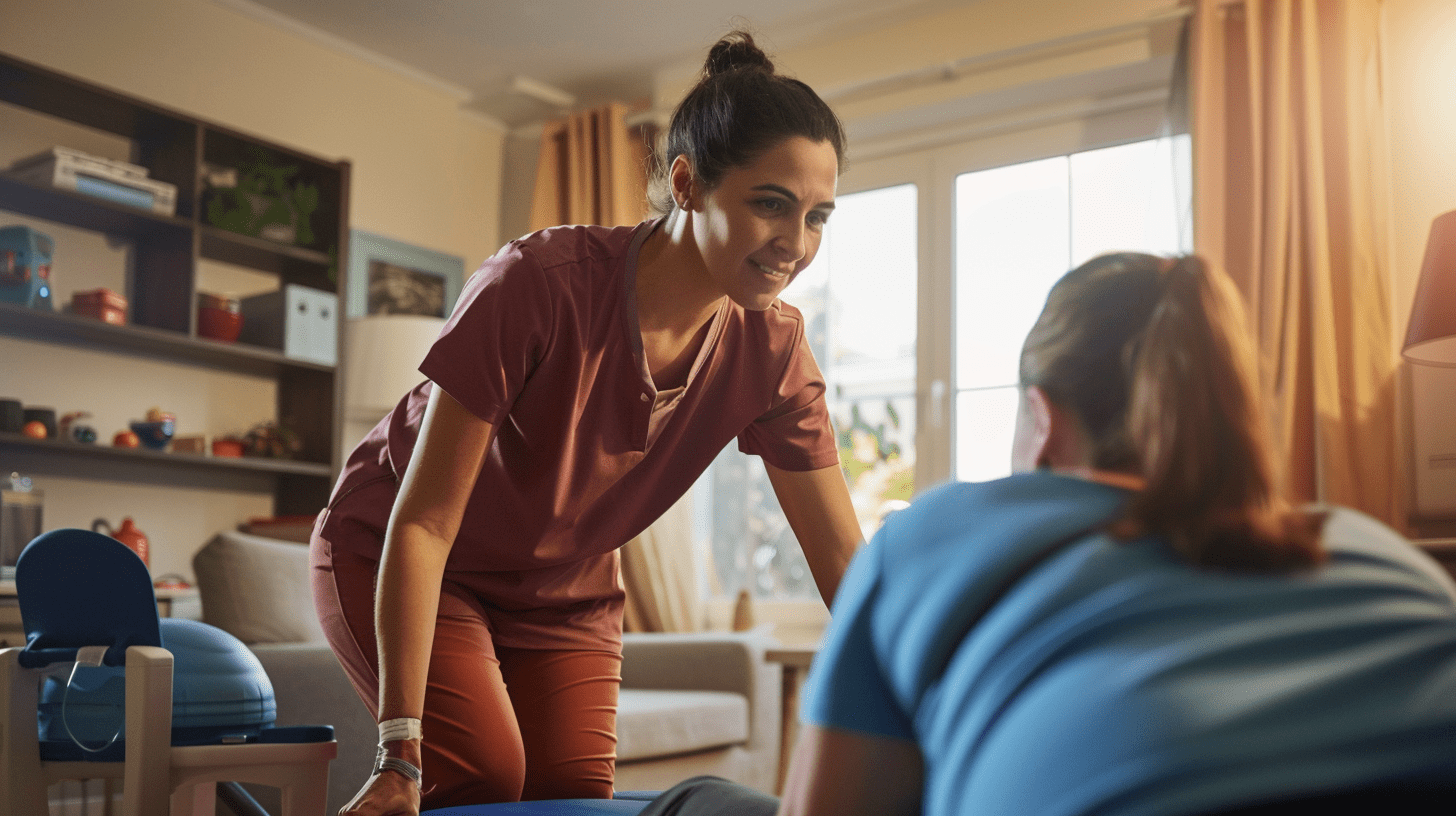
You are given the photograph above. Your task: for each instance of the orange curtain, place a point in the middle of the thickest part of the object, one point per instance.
(591, 171)
(1292, 198)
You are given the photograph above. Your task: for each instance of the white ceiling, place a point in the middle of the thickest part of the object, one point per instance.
(596, 50)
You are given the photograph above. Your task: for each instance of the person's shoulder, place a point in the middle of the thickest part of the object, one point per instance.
(574, 244)
(998, 509)
(1010, 492)
(1352, 536)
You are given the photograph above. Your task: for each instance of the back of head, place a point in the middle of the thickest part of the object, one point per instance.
(740, 108)
(1151, 354)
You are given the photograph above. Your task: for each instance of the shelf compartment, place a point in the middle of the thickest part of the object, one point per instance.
(85, 332)
(292, 264)
(72, 99)
(87, 212)
(74, 460)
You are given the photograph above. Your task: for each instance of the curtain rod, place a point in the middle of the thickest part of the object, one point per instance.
(956, 69)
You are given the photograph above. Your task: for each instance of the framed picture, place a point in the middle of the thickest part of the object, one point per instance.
(391, 277)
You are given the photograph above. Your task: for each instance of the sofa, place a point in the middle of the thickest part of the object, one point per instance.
(701, 703)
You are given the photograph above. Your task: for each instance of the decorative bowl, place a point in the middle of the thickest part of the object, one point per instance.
(155, 435)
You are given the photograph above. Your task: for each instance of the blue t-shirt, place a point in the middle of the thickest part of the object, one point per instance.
(1115, 678)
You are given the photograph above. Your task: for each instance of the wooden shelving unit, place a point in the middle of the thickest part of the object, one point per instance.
(162, 290)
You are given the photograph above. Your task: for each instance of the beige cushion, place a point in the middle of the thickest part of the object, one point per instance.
(662, 723)
(257, 589)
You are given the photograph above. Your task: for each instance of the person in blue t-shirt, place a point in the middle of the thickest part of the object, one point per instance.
(1136, 622)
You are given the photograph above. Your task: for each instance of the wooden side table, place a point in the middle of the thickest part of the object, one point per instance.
(796, 661)
(12, 632)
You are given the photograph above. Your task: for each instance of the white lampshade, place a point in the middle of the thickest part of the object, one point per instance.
(382, 360)
(1431, 336)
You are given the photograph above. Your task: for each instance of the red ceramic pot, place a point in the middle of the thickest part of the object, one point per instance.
(218, 318)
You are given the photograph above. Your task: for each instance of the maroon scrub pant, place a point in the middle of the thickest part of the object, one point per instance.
(500, 724)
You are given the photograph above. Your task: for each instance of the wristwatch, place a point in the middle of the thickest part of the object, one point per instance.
(400, 766)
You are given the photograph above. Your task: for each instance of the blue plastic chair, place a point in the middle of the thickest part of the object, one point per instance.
(86, 598)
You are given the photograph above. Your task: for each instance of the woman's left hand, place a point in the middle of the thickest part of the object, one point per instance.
(385, 794)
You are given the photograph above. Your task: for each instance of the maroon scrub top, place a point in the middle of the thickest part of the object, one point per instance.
(544, 345)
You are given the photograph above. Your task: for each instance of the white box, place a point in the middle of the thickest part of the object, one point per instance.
(301, 322)
(102, 178)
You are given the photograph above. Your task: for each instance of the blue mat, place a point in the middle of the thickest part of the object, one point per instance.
(626, 803)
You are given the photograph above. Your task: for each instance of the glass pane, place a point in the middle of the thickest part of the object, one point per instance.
(859, 300)
(1011, 245)
(986, 419)
(1018, 229)
(1125, 198)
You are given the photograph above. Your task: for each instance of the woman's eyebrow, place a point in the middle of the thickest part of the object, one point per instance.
(784, 191)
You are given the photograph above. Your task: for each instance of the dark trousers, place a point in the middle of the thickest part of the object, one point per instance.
(711, 796)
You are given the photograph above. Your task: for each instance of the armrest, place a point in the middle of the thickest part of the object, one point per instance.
(715, 661)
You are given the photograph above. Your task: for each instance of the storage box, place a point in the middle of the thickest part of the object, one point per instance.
(25, 267)
(301, 322)
(112, 180)
(102, 304)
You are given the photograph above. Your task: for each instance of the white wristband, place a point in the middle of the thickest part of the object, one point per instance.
(400, 728)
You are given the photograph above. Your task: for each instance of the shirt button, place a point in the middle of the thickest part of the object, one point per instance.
(646, 398)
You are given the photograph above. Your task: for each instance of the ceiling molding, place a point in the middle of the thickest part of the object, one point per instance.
(333, 42)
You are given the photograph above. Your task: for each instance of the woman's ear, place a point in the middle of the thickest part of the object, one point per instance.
(1033, 429)
(680, 180)
(1047, 435)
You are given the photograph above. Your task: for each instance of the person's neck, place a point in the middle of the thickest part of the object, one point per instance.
(674, 292)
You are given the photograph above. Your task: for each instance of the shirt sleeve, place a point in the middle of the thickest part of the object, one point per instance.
(848, 687)
(496, 336)
(795, 434)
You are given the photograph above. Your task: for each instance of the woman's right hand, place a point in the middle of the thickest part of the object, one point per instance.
(385, 794)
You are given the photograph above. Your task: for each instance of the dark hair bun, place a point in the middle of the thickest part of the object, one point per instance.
(736, 51)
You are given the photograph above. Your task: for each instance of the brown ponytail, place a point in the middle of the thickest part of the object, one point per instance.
(1151, 354)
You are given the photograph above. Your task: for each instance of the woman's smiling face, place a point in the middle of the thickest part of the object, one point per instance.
(761, 226)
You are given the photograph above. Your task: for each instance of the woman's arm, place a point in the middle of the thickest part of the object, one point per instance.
(835, 772)
(422, 527)
(817, 505)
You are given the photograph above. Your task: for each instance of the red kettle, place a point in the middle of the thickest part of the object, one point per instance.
(129, 535)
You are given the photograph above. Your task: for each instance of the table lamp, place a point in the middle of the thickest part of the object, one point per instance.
(383, 354)
(1431, 336)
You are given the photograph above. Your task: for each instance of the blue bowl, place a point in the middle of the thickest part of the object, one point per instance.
(155, 435)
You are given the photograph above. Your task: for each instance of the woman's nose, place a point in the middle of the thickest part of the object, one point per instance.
(792, 242)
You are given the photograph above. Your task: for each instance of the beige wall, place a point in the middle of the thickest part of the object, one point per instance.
(423, 171)
(1420, 97)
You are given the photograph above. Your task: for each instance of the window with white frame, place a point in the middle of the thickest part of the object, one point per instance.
(859, 302)
(1018, 229)
(933, 268)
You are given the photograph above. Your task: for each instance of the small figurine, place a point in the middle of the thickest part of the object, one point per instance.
(71, 428)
